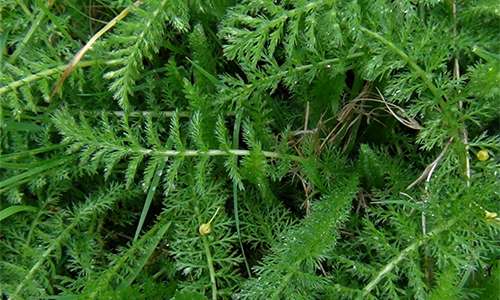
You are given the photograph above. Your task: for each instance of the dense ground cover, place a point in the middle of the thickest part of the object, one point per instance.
(168, 149)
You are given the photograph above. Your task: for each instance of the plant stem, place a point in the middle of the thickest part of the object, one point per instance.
(49, 72)
(17, 155)
(438, 93)
(456, 76)
(208, 253)
(42, 259)
(217, 152)
(27, 38)
(74, 62)
(420, 72)
(24, 8)
(282, 285)
(402, 255)
(236, 138)
(321, 63)
(27, 175)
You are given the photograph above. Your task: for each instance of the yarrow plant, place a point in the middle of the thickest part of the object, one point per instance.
(170, 149)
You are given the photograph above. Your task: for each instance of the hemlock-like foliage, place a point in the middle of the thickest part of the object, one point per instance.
(249, 149)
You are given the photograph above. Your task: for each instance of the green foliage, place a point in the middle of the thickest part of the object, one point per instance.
(250, 150)
(370, 168)
(140, 38)
(128, 265)
(9, 211)
(290, 269)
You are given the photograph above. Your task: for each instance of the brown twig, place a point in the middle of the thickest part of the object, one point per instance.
(427, 173)
(456, 76)
(306, 118)
(79, 55)
(408, 122)
(360, 106)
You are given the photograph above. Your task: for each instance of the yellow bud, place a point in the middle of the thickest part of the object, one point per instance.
(205, 229)
(483, 155)
(490, 215)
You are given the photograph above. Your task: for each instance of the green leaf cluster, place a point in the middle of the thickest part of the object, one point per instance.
(249, 149)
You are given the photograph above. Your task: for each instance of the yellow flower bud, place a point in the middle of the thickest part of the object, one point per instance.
(205, 229)
(490, 215)
(483, 155)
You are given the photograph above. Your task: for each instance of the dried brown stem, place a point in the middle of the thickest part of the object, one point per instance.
(427, 174)
(79, 55)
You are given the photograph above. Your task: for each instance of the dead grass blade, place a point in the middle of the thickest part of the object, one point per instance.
(79, 55)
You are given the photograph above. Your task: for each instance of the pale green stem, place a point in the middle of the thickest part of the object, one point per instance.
(325, 62)
(282, 285)
(17, 155)
(208, 254)
(42, 259)
(236, 138)
(402, 255)
(24, 8)
(27, 38)
(49, 72)
(420, 72)
(438, 93)
(216, 152)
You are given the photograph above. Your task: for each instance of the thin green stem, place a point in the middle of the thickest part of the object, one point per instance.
(18, 166)
(49, 72)
(142, 113)
(155, 234)
(24, 8)
(36, 171)
(402, 255)
(282, 285)
(149, 198)
(211, 268)
(436, 92)
(208, 254)
(39, 214)
(456, 76)
(420, 72)
(284, 73)
(320, 63)
(19, 49)
(42, 259)
(217, 152)
(45, 7)
(17, 155)
(236, 138)
(328, 61)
